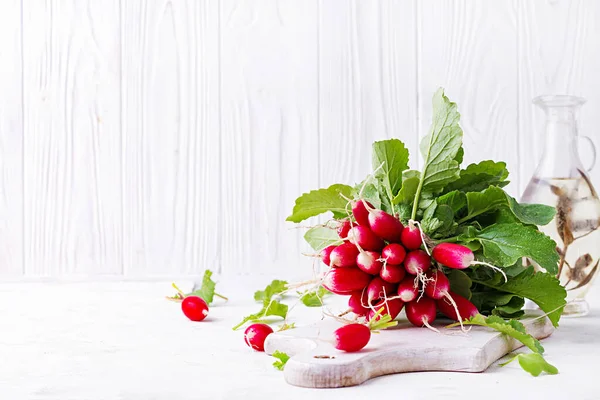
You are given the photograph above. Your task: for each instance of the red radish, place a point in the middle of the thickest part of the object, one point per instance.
(392, 273)
(343, 255)
(343, 229)
(378, 288)
(326, 253)
(385, 226)
(421, 312)
(417, 261)
(391, 307)
(411, 237)
(357, 302)
(360, 212)
(345, 280)
(437, 285)
(351, 337)
(407, 291)
(194, 308)
(393, 253)
(256, 334)
(365, 238)
(466, 309)
(453, 255)
(369, 262)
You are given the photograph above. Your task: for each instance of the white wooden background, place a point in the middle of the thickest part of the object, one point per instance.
(161, 137)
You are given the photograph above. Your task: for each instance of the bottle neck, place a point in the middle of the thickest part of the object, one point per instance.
(560, 157)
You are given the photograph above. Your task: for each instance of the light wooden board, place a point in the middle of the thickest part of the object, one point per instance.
(316, 363)
(72, 137)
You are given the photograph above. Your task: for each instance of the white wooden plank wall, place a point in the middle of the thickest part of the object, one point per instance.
(160, 138)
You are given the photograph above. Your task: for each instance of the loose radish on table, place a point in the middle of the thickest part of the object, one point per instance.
(364, 237)
(390, 307)
(360, 212)
(256, 334)
(392, 273)
(343, 229)
(393, 253)
(421, 312)
(385, 226)
(358, 302)
(343, 255)
(326, 253)
(351, 337)
(417, 262)
(466, 309)
(411, 237)
(407, 290)
(345, 280)
(195, 308)
(378, 289)
(369, 262)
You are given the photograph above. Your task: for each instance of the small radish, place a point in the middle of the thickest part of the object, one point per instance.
(407, 291)
(369, 262)
(326, 253)
(391, 307)
(194, 308)
(360, 212)
(457, 256)
(411, 237)
(345, 280)
(365, 238)
(392, 273)
(351, 337)
(438, 285)
(343, 229)
(378, 288)
(393, 253)
(256, 334)
(417, 262)
(357, 302)
(343, 255)
(466, 309)
(421, 312)
(453, 255)
(385, 226)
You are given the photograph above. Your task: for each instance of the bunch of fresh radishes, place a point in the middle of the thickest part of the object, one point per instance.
(383, 264)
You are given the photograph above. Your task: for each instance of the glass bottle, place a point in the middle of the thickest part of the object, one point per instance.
(561, 181)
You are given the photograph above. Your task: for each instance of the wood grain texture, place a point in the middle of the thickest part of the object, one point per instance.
(171, 194)
(470, 49)
(367, 83)
(269, 129)
(72, 137)
(11, 140)
(558, 54)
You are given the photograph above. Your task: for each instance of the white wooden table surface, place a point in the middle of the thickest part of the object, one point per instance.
(123, 340)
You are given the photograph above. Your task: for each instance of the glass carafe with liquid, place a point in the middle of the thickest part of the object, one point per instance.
(562, 181)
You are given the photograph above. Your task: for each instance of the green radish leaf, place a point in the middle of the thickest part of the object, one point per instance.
(314, 298)
(504, 244)
(272, 309)
(207, 289)
(440, 148)
(460, 283)
(455, 200)
(282, 359)
(512, 328)
(320, 201)
(370, 193)
(506, 305)
(494, 198)
(409, 188)
(275, 287)
(535, 364)
(392, 156)
(540, 287)
(477, 177)
(320, 237)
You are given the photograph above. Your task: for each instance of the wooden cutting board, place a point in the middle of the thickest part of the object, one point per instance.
(315, 363)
